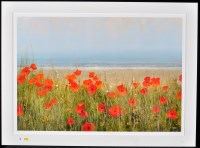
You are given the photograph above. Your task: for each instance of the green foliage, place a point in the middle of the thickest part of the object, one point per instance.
(137, 118)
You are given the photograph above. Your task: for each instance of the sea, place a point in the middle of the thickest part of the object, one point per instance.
(104, 65)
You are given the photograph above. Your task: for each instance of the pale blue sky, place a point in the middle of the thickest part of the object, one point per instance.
(99, 39)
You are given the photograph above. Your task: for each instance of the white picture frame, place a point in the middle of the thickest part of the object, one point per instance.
(12, 137)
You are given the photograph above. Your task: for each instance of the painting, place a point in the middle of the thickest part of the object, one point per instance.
(100, 73)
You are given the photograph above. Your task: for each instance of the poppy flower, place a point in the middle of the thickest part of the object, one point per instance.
(19, 110)
(91, 74)
(96, 78)
(87, 83)
(71, 76)
(54, 101)
(121, 90)
(48, 105)
(165, 88)
(115, 111)
(91, 89)
(21, 79)
(42, 92)
(143, 91)
(38, 84)
(147, 79)
(48, 82)
(33, 66)
(172, 114)
(162, 100)
(88, 126)
(101, 107)
(98, 84)
(156, 109)
(71, 81)
(70, 121)
(40, 76)
(155, 82)
(132, 102)
(33, 81)
(112, 94)
(77, 72)
(80, 107)
(146, 83)
(179, 95)
(25, 71)
(74, 87)
(135, 84)
(48, 87)
(83, 114)
(180, 78)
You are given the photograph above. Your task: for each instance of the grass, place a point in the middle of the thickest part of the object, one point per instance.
(140, 117)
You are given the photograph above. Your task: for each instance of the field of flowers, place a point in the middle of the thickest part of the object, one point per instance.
(46, 104)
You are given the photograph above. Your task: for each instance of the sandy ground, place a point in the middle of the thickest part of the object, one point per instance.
(117, 77)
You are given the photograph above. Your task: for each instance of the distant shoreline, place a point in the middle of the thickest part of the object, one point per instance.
(110, 68)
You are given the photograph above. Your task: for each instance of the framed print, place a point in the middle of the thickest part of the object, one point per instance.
(118, 76)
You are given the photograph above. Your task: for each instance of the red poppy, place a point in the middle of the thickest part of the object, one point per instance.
(91, 74)
(77, 72)
(147, 78)
(92, 89)
(115, 111)
(48, 82)
(101, 107)
(165, 88)
(54, 101)
(19, 110)
(70, 121)
(73, 86)
(136, 84)
(48, 87)
(179, 95)
(83, 114)
(88, 127)
(33, 81)
(132, 102)
(87, 83)
(98, 84)
(38, 84)
(172, 114)
(80, 107)
(112, 94)
(146, 81)
(47, 105)
(25, 71)
(143, 91)
(155, 82)
(71, 81)
(42, 92)
(180, 78)
(162, 100)
(96, 78)
(156, 109)
(70, 77)
(121, 90)
(21, 79)
(33, 66)
(39, 76)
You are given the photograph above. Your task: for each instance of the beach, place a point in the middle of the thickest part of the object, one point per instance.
(117, 76)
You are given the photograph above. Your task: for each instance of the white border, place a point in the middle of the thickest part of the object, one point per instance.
(131, 15)
(8, 136)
